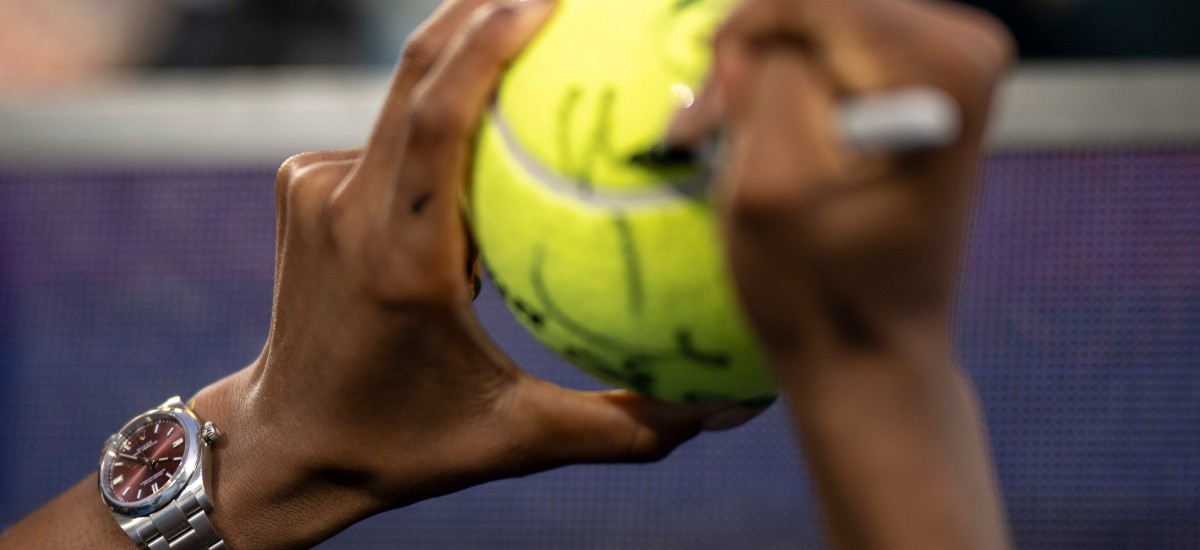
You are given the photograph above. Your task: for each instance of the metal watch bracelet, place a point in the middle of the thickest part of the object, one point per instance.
(181, 524)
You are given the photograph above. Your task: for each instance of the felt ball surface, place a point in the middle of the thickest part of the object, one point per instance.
(615, 265)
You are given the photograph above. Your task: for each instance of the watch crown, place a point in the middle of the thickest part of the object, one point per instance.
(209, 433)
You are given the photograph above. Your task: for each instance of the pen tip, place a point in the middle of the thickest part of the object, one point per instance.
(664, 156)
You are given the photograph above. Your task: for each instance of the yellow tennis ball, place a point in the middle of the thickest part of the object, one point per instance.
(616, 266)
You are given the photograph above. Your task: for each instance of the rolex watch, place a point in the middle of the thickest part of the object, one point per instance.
(152, 479)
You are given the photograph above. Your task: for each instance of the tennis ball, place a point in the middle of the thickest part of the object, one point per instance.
(615, 265)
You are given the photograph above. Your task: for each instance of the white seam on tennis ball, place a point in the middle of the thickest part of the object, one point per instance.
(671, 191)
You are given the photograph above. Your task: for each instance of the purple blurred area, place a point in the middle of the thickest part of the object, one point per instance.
(1078, 317)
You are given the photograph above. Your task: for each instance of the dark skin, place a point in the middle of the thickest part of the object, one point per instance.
(845, 260)
(377, 388)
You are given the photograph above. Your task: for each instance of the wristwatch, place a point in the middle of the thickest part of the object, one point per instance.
(152, 479)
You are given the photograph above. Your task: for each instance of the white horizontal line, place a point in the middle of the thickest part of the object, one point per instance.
(263, 116)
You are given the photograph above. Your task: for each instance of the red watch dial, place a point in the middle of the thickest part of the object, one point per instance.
(144, 460)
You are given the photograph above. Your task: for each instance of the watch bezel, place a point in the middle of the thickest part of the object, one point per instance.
(185, 472)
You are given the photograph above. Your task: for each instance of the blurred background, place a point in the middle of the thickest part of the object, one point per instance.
(138, 142)
(50, 43)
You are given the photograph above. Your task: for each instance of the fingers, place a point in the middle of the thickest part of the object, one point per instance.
(853, 50)
(867, 45)
(421, 51)
(838, 236)
(290, 172)
(619, 426)
(781, 156)
(843, 36)
(418, 155)
(473, 40)
(856, 49)
(448, 104)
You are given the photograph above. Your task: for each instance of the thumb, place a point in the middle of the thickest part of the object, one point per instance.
(622, 426)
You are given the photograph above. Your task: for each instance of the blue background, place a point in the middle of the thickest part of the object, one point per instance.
(1078, 318)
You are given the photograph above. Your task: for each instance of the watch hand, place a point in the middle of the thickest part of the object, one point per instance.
(134, 458)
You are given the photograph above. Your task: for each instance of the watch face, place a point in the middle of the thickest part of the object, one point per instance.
(142, 460)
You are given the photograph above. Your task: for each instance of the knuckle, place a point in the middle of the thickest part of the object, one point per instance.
(307, 191)
(996, 44)
(493, 25)
(312, 165)
(318, 177)
(973, 60)
(991, 33)
(419, 53)
(305, 194)
(289, 170)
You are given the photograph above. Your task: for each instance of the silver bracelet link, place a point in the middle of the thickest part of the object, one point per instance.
(181, 525)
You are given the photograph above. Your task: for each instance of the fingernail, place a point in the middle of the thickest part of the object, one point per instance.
(729, 418)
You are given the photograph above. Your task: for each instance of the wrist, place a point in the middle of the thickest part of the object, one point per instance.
(264, 491)
(829, 370)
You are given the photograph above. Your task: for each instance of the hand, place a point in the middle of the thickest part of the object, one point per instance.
(845, 260)
(377, 388)
(836, 251)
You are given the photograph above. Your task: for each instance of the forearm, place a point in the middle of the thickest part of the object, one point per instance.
(898, 454)
(262, 495)
(76, 518)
